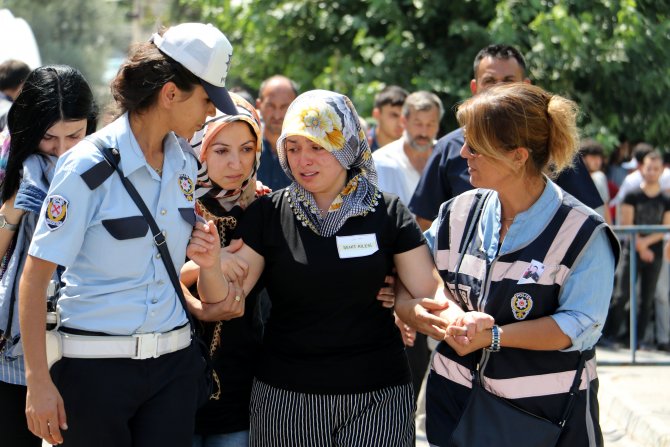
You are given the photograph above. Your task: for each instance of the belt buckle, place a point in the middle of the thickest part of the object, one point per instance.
(147, 346)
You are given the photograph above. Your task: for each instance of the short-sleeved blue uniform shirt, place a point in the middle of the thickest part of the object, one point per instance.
(115, 281)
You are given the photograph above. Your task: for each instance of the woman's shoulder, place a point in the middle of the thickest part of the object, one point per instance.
(464, 201)
(392, 204)
(275, 198)
(38, 170)
(391, 198)
(82, 157)
(269, 201)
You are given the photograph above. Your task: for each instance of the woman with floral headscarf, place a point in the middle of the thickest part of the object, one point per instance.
(229, 157)
(332, 368)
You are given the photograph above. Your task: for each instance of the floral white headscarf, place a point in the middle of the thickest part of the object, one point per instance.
(330, 120)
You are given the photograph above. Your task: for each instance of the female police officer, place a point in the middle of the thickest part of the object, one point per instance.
(127, 354)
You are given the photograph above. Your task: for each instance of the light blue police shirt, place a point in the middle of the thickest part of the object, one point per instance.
(115, 281)
(583, 301)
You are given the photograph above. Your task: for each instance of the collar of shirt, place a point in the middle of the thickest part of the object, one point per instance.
(526, 226)
(133, 157)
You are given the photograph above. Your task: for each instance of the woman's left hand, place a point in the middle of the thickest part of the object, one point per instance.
(261, 189)
(204, 247)
(464, 328)
(417, 314)
(387, 293)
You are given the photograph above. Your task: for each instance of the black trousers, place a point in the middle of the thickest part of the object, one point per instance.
(125, 402)
(618, 325)
(13, 426)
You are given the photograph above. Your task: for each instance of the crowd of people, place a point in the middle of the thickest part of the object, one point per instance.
(327, 276)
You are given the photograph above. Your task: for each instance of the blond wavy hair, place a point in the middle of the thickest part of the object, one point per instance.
(509, 116)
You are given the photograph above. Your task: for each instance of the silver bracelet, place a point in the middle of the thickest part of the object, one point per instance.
(495, 339)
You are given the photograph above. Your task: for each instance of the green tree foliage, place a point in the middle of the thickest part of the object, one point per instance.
(612, 56)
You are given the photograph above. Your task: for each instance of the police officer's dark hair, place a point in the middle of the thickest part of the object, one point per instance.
(12, 74)
(50, 94)
(392, 95)
(141, 77)
(499, 51)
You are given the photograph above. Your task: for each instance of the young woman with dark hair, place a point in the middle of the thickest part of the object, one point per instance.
(129, 372)
(54, 111)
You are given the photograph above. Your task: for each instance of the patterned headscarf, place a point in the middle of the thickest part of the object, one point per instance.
(330, 120)
(205, 187)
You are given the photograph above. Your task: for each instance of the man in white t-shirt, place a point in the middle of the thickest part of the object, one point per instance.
(400, 163)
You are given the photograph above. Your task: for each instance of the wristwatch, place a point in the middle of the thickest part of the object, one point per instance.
(495, 339)
(6, 225)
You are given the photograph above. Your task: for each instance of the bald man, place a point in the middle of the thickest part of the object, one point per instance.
(274, 97)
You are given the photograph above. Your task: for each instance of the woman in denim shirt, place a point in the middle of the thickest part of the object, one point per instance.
(54, 111)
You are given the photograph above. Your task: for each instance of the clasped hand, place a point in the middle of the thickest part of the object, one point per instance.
(466, 326)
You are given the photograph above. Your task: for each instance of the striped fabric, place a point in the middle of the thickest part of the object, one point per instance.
(12, 371)
(281, 418)
(536, 381)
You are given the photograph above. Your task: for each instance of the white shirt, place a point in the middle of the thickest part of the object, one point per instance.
(395, 172)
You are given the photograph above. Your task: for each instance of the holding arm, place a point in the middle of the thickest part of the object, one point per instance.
(578, 321)
(419, 278)
(204, 250)
(216, 309)
(245, 256)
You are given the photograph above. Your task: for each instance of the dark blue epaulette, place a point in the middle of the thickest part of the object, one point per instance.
(96, 175)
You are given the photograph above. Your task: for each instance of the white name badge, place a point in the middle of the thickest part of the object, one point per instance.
(356, 246)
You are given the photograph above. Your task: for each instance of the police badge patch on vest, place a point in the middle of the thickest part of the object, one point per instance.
(56, 212)
(522, 303)
(186, 186)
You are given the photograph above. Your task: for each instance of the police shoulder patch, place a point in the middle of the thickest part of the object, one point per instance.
(56, 212)
(186, 186)
(521, 303)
